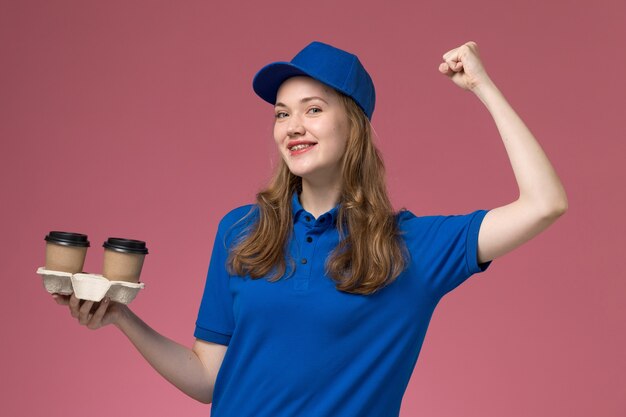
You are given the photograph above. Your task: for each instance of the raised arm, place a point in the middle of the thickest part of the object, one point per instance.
(193, 371)
(542, 198)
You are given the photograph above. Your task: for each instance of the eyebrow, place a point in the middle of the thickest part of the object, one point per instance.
(304, 100)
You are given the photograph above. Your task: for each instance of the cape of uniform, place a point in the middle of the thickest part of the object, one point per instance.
(299, 347)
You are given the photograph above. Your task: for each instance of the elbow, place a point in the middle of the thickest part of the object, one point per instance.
(561, 205)
(561, 208)
(546, 205)
(203, 394)
(547, 208)
(205, 399)
(556, 210)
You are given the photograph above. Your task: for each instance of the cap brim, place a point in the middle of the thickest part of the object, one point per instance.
(269, 78)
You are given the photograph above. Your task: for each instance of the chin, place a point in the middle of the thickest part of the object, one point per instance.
(300, 171)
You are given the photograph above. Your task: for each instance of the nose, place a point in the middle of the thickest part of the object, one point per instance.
(295, 126)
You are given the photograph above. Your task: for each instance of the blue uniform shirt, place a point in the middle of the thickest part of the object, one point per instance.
(299, 347)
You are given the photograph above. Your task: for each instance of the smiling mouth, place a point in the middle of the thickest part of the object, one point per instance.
(301, 146)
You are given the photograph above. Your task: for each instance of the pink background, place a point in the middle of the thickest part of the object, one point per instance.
(137, 119)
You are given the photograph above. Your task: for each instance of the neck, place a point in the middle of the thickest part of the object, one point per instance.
(318, 199)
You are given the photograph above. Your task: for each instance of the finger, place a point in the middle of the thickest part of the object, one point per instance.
(74, 304)
(454, 64)
(445, 69)
(96, 320)
(94, 307)
(84, 312)
(450, 54)
(472, 45)
(453, 58)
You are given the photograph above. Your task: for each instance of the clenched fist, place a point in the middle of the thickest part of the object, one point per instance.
(464, 67)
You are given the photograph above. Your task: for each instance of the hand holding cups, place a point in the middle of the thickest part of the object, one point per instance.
(65, 259)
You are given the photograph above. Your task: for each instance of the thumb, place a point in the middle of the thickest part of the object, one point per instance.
(61, 299)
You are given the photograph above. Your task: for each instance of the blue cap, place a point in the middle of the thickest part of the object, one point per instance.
(338, 69)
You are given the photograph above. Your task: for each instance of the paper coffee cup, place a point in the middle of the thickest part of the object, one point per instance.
(66, 251)
(123, 259)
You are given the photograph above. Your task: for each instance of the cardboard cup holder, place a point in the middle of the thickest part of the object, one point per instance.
(92, 287)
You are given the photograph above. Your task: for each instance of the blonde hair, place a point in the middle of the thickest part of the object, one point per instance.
(370, 253)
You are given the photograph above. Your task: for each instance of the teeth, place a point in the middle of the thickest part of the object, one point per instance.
(301, 146)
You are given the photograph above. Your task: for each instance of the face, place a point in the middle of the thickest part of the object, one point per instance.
(311, 129)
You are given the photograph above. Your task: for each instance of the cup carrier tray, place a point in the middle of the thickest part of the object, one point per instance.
(92, 287)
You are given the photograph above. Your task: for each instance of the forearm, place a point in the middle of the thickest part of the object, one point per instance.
(538, 183)
(176, 363)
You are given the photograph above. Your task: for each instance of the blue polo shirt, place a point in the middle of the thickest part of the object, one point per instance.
(299, 347)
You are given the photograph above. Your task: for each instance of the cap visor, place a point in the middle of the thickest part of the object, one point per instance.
(269, 78)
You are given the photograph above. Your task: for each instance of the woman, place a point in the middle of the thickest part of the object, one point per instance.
(318, 297)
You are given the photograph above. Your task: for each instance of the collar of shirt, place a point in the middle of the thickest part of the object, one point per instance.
(299, 213)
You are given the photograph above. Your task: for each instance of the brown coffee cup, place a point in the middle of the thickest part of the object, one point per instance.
(66, 251)
(123, 259)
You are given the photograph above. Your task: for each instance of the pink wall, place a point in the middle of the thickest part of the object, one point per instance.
(137, 119)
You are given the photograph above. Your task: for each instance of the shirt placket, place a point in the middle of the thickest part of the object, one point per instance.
(309, 235)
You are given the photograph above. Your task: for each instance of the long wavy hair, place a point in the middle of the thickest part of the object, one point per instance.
(370, 254)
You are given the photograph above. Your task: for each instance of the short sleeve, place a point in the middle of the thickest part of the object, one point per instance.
(215, 321)
(445, 248)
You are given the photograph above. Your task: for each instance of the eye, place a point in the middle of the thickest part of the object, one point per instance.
(315, 108)
(280, 115)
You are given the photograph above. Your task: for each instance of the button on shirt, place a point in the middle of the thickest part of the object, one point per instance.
(299, 347)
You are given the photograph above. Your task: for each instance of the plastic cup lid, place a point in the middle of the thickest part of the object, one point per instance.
(67, 238)
(126, 245)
